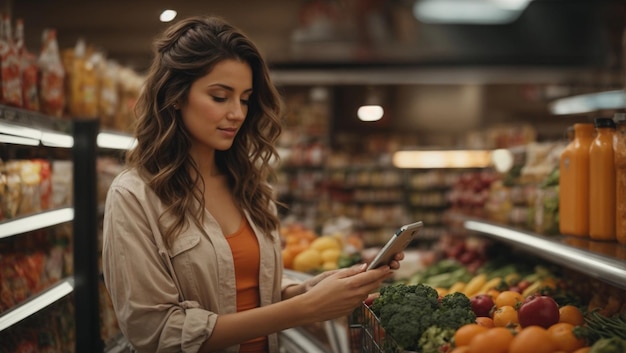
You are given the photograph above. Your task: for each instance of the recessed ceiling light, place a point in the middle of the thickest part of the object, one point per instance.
(167, 15)
(370, 112)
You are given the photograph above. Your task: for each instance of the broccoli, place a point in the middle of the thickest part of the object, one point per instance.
(407, 311)
(406, 326)
(436, 339)
(455, 311)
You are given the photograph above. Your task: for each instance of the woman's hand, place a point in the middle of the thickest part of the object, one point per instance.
(337, 293)
(394, 264)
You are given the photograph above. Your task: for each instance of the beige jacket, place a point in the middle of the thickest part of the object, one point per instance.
(169, 300)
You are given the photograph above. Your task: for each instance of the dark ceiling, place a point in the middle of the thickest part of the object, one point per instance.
(349, 35)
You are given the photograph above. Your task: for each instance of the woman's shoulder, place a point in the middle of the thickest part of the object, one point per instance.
(131, 180)
(126, 176)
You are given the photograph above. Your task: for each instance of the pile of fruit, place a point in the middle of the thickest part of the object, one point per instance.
(305, 251)
(524, 309)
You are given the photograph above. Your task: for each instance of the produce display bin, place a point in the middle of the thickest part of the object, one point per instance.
(367, 335)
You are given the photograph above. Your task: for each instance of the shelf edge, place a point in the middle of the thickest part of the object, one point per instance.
(37, 303)
(607, 269)
(37, 221)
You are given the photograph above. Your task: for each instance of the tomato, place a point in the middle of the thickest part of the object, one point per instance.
(482, 304)
(540, 310)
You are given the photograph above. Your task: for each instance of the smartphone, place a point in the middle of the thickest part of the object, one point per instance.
(396, 244)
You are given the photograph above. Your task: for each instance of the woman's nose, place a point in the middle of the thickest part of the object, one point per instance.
(238, 111)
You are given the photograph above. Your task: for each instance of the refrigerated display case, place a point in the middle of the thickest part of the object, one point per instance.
(77, 140)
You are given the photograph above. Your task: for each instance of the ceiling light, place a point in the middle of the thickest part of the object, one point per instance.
(586, 103)
(372, 109)
(469, 11)
(370, 112)
(167, 15)
(442, 159)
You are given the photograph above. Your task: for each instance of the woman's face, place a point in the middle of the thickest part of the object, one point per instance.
(217, 105)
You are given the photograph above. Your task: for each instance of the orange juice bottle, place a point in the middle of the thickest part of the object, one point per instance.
(574, 183)
(602, 182)
(619, 148)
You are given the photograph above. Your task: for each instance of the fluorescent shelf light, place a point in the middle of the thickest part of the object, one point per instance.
(36, 221)
(22, 131)
(17, 140)
(115, 141)
(442, 159)
(36, 304)
(469, 11)
(502, 159)
(586, 103)
(55, 139)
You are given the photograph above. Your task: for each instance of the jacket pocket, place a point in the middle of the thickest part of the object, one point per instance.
(185, 241)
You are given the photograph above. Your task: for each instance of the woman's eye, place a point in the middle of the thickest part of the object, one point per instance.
(219, 99)
(245, 102)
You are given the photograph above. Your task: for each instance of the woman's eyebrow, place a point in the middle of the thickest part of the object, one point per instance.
(228, 88)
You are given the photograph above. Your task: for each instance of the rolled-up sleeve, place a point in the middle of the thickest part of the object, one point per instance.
(142, 287)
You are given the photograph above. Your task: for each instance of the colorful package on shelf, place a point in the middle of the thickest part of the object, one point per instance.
(11, 90)
(28, 70)
(81, 80)
(52, 76)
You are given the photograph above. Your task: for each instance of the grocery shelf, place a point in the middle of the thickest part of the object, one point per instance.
(36, 221)
(37, 303)
(555, 249)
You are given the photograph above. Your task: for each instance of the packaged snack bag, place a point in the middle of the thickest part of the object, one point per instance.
(52, 75)
(28, 70)
(11, 90)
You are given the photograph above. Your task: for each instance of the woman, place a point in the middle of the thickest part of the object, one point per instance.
(191, 253)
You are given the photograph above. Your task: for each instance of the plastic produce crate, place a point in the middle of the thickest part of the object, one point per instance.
(367, 335)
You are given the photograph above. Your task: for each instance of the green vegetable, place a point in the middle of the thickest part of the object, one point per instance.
(453, 311)
(598, 326)
(406, 312)
(443, 274)
(609, 345)
(347, 260)
(436, 339)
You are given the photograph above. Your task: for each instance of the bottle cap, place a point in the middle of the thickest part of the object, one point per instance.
(619, 117)
(604, 122)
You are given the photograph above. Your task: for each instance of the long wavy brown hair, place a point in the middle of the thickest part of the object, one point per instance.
(186, 51)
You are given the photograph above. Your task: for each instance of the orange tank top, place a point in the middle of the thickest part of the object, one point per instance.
(246, 256)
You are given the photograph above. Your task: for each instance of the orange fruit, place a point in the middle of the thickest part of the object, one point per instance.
(485, 321)
(493, 293)
(504, 316)
(532, 339)
(582, 350)
(465, 333)
(508, 297)
(571, 315)
(495, 340)
(288, 256)
(563, 335)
